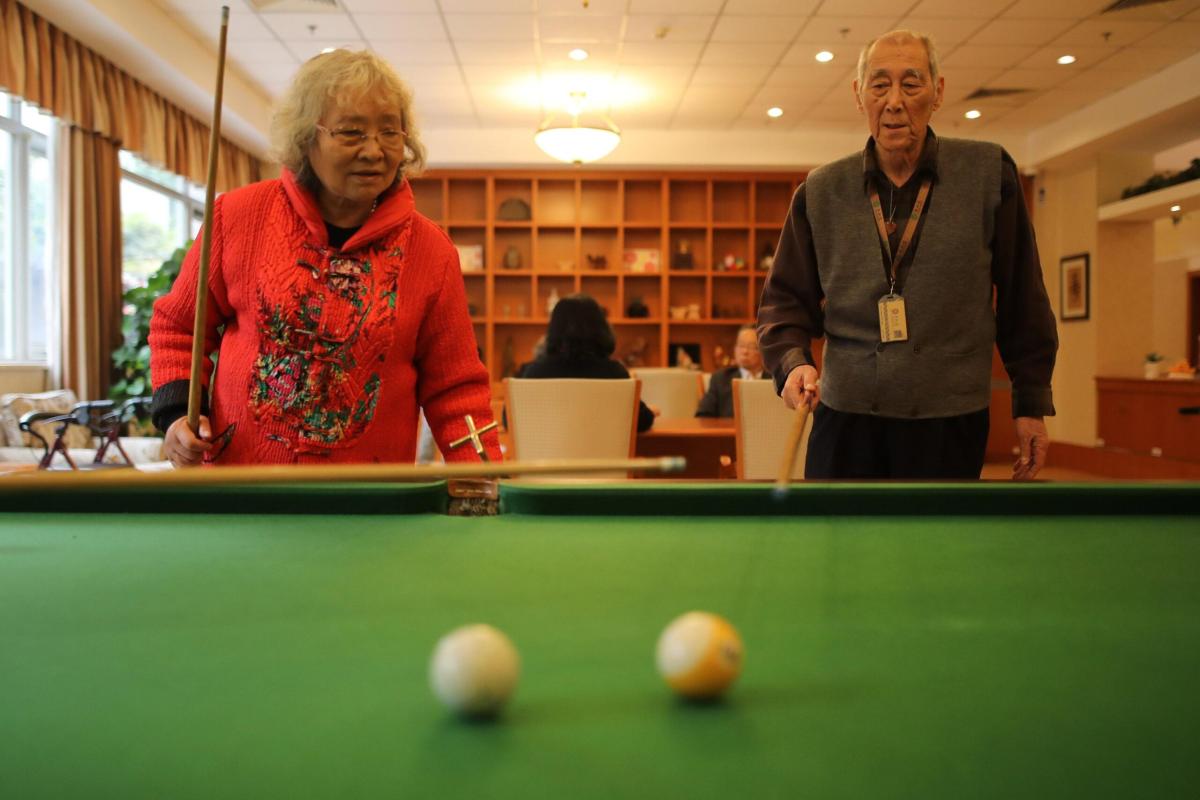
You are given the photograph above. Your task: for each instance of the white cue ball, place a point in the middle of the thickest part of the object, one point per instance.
(474, 670)
(699, 655)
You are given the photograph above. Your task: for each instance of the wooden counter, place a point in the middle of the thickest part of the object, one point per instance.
(1143, 416)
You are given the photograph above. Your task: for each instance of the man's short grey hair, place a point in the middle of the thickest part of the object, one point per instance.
(901, 35)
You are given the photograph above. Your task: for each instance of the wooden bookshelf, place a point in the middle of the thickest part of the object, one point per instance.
(581, 225)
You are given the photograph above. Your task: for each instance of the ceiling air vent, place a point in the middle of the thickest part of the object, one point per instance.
(983, 94)
(294, 6)
(1122, 5)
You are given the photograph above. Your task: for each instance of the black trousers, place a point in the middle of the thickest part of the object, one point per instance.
(866, 446)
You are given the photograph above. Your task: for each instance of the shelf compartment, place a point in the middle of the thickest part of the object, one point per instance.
(555, 203)
(772, 199)
(643, 202)
(688, 202)
(467, 236)
(599, 202)
(642, 239)
(518, 240)
(731, 201)
(513, 189)
(639, 345)
(512, 298)
(556, 251)
(605, 291)
(765, 243)
(428, 197)
(599, 243)
(648, 289)
(563, 286)
(514, 346)
(467, 200)
(731, 242)
(730, 298)
(686, 296)
(476, 287)
(697, 243)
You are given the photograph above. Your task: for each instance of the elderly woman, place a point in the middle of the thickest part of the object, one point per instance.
(337, 311)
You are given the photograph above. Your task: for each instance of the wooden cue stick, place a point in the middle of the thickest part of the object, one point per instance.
(322, 473)
(795, 436)
(200, 325)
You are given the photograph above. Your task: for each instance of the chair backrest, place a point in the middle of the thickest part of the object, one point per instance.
(762, 422)
(676, 392)
(569, 418)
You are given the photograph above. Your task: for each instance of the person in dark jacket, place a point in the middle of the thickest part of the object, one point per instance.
(580, 344)
(748, 365)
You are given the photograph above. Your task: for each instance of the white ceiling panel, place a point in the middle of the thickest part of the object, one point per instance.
(1020, 31)
(945, 32)
(1100, 32)
(311, 26)
(960, 9)
(486, 6)
(960, 83)
(777, 7)
(804, 53)
(756, 29)
(1085, 57)
(522, 52)
(673, 6)
(980, 56)
(401, 27)
(819, 76)
(679, 28)
(1145, 60)
(1055, 9)
(728, 75)
(1162, 12)
(304, 50)
(743, 53)
(661, 53)
(581, 28)
(861, 8)
(418, 53)
(271, 52)
(853, 31)
(1028, 79)
(1178, 34)
(595, 7)
(490, 27)
(378, 6)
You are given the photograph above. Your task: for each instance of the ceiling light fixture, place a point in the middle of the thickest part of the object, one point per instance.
(574, 141)
(1175, 209)
(974, 113)
(328, 50)
(1067, 59)
(578, 54)
(774, 112)
(824, 56)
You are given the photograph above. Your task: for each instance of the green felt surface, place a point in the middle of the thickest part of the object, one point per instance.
(253, 656)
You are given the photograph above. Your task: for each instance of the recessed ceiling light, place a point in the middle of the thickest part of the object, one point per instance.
(328, 50)
(1067, 59)
(774, 112)
(974, 113)
(1175, 209)
(824, 56)
(578, 54)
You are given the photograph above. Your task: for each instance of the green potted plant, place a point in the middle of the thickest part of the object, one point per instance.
(1153, 365)
(131, 361)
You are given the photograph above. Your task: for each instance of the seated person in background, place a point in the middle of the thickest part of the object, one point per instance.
(580, 344)
(539, 351)
(748, 365)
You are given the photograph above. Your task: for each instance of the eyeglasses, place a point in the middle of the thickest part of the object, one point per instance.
(388, 138)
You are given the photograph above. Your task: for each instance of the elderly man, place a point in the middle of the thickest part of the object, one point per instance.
(893, 255)
(748, 364)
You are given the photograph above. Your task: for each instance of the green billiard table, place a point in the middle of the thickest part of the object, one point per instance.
(902, 640)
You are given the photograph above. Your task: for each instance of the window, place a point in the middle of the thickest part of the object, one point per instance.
(26, 192)
(160, 211)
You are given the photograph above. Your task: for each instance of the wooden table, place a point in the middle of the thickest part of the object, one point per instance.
(701, 440)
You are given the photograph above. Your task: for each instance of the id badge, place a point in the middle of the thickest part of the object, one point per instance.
(893, 324)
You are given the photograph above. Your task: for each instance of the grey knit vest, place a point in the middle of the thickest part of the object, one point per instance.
(944, 369)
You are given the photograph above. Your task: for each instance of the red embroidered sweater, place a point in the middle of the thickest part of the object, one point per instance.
(326, 355)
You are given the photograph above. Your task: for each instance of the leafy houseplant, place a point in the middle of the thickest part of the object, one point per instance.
(131, 361)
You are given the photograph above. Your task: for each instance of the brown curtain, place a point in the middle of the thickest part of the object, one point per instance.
(103, 110)
(89, 214)
(43, 65)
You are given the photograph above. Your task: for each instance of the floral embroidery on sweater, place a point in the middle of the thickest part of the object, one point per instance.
(317, 325)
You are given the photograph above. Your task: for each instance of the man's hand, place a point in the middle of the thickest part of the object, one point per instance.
(801, 386)
(182, 448)
(1034, 442)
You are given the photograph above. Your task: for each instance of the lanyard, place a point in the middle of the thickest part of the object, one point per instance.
(909, 230)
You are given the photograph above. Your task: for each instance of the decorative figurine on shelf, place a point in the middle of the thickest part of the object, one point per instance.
(514, 209)
(767, 260)
(637, 309)
(682, 257)
(508, 361)
(721, 359)
(598, 261)
(729, 261)
(512, 257)
(739, 264)
(551, 301)
(683, 359)
(635, 356)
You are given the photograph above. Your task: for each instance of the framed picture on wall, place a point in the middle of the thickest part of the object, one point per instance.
(1075, 291)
